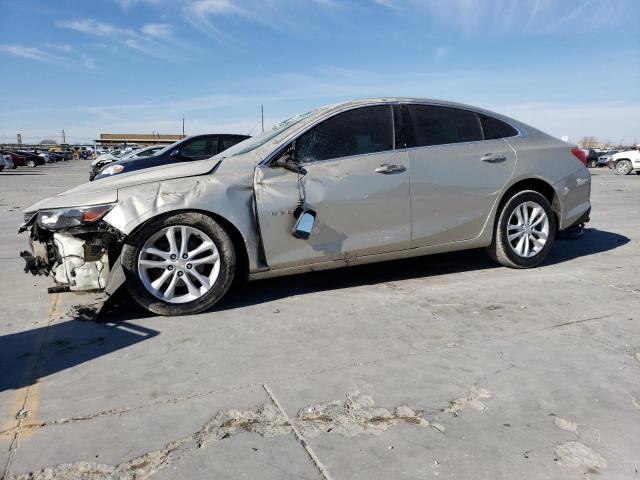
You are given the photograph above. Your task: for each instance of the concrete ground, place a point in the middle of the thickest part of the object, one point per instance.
(437, 367)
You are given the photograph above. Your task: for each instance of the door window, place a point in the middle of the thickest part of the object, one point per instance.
(200, 147)
(228, 142)
(355, 132)
(432, 125)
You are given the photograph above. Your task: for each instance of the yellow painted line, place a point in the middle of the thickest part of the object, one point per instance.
(27, 398)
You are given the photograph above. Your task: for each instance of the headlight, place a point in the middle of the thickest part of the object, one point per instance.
(58, 218)
(112, 170)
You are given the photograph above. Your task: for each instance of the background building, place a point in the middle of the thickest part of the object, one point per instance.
(131, 139)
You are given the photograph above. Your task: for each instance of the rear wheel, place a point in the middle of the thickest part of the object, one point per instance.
(178, 265)
(624, 167)
(31, 163)
(593, 163)
(524, 232)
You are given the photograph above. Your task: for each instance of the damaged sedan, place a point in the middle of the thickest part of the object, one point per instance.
(359, 182)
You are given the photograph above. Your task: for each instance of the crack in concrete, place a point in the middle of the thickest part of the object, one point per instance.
(355, 415)
(31, 391)
(128, 409)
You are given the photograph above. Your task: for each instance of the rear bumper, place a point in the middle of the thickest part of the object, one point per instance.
(573, 194)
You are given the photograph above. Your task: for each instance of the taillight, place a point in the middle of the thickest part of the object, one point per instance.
(580, 155)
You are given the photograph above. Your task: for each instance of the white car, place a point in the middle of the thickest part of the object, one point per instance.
(625, 162)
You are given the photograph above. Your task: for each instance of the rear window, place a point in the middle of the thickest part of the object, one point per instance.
(432, 125)
(494, 128)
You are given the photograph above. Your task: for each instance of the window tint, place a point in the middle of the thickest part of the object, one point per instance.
(200, 147)
(227, 142)
(494, 128)
(355, 132)
(441, 125)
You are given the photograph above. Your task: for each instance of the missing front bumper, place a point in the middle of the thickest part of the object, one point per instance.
(74, 263)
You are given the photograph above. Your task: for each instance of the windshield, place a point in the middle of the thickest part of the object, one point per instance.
(259, 140)
(171, 145)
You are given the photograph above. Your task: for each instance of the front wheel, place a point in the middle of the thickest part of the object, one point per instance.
(31, 163)
(593, 163)
(624, 167)
(180, 264)
(524, 232)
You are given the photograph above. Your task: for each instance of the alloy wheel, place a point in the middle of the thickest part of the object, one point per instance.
(179, 264)
(528, 229)
(623, 168)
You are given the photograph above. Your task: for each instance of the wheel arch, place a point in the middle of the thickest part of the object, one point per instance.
(539, 185)
(238, 240)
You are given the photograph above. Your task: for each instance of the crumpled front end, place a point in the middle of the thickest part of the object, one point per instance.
(76, 259)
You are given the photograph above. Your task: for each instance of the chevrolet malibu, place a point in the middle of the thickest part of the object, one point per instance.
(359, 182)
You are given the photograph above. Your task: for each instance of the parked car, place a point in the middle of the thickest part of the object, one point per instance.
(625, 162)
(603, 160)
(17, 159)
(102, 161)
(31, 159)
(197, 147)
(359, 182)
(592, 157)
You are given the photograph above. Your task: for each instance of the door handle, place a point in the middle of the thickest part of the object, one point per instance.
(386, 169)
(493, 158)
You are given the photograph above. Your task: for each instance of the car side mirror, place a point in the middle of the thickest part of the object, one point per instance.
(176, 153)
(304, 225)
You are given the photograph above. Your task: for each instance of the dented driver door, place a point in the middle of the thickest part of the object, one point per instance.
(359, 211)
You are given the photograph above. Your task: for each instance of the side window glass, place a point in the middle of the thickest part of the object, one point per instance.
(432, 125)
(494, 128)
(196, 148)
(355, 132)
(228, 142)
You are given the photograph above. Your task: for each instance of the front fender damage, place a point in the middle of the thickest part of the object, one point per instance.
(78, 259)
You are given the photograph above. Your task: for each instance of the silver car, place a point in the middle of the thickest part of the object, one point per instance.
(359, 182)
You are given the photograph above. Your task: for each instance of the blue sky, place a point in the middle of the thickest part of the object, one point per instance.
(569, 67)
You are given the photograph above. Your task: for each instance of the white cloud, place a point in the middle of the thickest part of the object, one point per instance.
(154, 39)
(92, 27)
(160, 30)
(126, 4)
(31, 53)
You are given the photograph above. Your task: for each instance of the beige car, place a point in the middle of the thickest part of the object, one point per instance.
(359, 182)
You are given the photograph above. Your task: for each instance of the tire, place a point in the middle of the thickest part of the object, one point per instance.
(593, 163)
(624, 167)
(504, 252)
(31, 163)
(180, 301)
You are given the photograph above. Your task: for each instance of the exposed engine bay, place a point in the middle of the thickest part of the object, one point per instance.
(77, 259)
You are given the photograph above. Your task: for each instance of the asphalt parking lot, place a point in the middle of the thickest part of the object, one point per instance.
(437, 367)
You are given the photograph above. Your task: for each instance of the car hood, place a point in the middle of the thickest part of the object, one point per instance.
(105, 190)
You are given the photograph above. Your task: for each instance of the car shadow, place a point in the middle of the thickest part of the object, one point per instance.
(262, 291)
(592, 242)
(28, 356)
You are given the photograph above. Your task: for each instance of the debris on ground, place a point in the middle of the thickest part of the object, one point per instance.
(566, 425)
(356, 415)
(576, 454)
(473, 400)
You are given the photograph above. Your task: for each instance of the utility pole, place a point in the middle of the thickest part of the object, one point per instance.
(262, 116)
(64, 138)
(182, 127)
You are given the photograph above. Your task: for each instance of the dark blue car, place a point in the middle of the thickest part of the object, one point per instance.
(197, 147)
